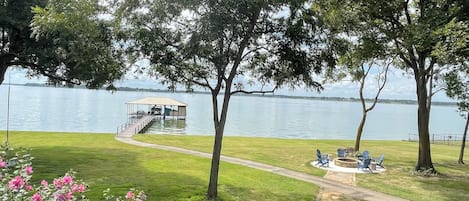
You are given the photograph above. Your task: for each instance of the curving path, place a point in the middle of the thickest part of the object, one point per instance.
(347, 190)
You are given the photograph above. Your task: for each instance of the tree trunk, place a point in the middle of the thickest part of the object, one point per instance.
(359, 132)
(3, 70)
(463, 144)
(219, 124)
(213, 183)
(424, 162)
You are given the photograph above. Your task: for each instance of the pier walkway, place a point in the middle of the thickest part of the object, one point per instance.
(130, 129)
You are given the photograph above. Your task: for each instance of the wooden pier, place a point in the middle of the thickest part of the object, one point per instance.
(132, 128)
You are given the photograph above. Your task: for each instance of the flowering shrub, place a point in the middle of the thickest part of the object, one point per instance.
(132, 195)
(15, 182)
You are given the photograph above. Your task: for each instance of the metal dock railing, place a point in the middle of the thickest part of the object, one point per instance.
(131, 128)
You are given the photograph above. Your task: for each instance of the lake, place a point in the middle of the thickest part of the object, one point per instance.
(82, 110)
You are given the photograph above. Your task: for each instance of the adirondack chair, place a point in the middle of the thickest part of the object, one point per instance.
(323, 160)
(364, 156)
(340, 152)
(380, 160)
(365, 165)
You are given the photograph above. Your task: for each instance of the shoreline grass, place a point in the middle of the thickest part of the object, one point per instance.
(102, 162)
(294, 154)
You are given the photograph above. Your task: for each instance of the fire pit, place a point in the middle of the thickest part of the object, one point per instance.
(346, 162)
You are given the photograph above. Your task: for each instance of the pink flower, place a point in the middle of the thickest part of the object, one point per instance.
(28, 169)
(78, 188)
(59, 197)
(44, 183)
(68, 196)
(36, 197)
(67, 179)
(16, 183)
(28, 187)
(75, 188)
(2, 164)
(81, 188)
(130, 195)
(58, 183)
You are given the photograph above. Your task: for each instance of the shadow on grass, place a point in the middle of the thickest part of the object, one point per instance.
(117, 169)
(452, 183)
(230, 192)
(162, 175)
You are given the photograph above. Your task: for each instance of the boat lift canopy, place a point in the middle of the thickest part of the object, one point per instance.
(157, 101)
(169, 107)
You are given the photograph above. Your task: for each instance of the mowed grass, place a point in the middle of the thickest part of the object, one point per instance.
(104, 163)
(400, 158)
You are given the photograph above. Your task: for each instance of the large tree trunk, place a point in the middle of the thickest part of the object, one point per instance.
(424, 162)
(219, 129)
(463, 144)
(360, 131)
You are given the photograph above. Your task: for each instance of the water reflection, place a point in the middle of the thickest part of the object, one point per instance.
(171, 126)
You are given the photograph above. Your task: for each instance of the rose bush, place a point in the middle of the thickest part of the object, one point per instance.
(16, 171)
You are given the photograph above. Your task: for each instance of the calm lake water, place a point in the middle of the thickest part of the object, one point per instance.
(82, 110)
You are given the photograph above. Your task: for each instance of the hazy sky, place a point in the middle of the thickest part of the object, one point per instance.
(399, 86)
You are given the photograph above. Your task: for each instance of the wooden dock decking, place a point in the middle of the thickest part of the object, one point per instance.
(131, 129)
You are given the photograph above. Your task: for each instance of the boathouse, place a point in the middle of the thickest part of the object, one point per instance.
(142, 113)
(158, 107)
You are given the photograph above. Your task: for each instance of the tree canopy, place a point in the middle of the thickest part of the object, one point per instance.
(199, 41)
(63, 40)
(414, 32)
(218, 44)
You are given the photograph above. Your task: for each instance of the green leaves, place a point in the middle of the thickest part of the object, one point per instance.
(453, 44)
(68, 41)
(210, 42)
(79, 43)
(457, 87)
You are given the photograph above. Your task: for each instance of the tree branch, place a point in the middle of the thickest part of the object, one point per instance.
(429, 70)
(381, 87)
(244, 44)
(252, 92)
(362, 86)
(407, 14)
(251, 51)
(401, 54)
(438, 90)
(43, 71)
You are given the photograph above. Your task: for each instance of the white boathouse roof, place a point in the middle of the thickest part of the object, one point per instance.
(157, 101)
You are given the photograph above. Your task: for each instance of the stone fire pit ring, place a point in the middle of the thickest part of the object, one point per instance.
(346, 162)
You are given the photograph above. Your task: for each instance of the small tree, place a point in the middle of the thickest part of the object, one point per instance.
(63, 40)
(211, 44)
(356, 64)
(360, 75)
(458, 88)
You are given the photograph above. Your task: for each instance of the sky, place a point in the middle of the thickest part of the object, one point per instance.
(400, 86)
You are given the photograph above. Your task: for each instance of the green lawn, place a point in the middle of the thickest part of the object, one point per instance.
(400, 158)
(104, 163)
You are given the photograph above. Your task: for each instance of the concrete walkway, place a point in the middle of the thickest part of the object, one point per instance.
(347, 190)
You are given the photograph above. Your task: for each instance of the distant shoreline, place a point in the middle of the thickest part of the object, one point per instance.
(322, 98)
